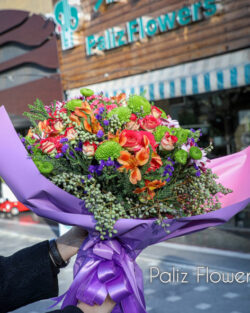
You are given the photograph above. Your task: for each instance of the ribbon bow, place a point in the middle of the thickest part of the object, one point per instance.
(102, 268)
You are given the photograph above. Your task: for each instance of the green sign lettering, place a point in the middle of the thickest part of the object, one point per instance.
(167, 21)
(210, 7)
(143, 27)
(184, 16)
(151, 27)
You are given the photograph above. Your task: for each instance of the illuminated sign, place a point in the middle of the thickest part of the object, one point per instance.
(144, 27)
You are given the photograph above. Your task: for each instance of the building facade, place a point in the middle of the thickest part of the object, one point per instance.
(192, 58)
(28, 58)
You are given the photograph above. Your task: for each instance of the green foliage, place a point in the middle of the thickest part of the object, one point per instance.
(37, 112)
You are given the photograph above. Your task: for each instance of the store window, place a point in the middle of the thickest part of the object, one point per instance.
(224, 119)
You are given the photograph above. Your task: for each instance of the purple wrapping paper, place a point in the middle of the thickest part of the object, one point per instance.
(109, 266)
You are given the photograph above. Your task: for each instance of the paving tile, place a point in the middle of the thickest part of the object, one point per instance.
(149, 291)
(201, 288)
(203, 306)
(231, 295)
(173, 298)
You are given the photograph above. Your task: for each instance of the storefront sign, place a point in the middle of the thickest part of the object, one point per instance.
(100, 2)
(143, 27)
(66, 17)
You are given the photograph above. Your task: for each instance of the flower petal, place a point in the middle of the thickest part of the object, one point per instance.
(142, 157)
(124, 157)
(135, 176)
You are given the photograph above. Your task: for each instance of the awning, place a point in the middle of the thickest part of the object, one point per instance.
(216, 73)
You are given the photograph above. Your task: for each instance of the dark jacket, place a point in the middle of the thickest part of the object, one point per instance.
(28, 276)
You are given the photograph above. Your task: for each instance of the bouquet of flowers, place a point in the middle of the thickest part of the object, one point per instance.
(128, 173)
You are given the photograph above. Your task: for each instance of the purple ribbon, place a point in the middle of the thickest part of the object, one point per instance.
(102, 268)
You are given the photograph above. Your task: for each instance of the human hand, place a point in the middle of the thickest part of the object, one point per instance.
(106, 307)
(69, 243)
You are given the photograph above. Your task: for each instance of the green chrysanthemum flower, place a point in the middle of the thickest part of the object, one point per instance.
(86, 92)
(160, 132)
(123, 114)
(108, 149)
(182, 135)
(73, 104)
(195, 153)
(45, 167)
(136, 103)
(181, 156)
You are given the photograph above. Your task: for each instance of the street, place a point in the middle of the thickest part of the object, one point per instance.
(164, 292)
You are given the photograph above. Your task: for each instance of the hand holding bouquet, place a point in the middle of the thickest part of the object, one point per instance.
(128, 173)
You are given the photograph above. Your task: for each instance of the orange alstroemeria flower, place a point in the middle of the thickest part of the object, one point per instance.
(44, 127)
(149, 187)
(95, 125)
(119, 98)
(131, 162)
(84, 111)
(114, 137)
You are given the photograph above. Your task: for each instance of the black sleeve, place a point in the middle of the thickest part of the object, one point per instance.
(27, 276)
(68, 309)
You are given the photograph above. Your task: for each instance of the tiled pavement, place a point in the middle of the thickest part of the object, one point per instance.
(191, 297)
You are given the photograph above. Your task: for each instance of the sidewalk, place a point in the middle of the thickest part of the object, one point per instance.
(161, 297)
(233, 239)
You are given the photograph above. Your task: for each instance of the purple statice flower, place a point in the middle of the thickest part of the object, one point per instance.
(168, 179)
(92, 169)
(80, 145)
(58, 155)
(101, 110)
(198, 173)
(171, 160)
(62, 140)
(117, 164)
(65, 148)
(98, 117)
(101, 166)
(106, 122)
(196, 167)
(23, 140)
(109, 162)
(100, 133)
(72, 154)
(192, 130)
(77, 149)
(29, 147)
(82, 181)
(168, 170)
(90, 176)
(98, 173)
